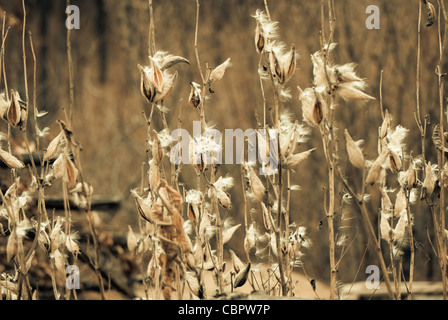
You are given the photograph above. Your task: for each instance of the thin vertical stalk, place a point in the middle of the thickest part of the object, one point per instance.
(440, 231)
(70, 72)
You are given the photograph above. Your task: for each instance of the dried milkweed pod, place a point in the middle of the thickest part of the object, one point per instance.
(222, 197)
(375, 171)
(154, 175)
(14, 113)
(411, 176)
(256, 185)
(228, 233)
(143, 207)
(65, 169)
(430, 181)
(386, 204)
(218, 73)
(267, 218)
(237, 264)
(11, 161)
(12, 245)
(71, 243)
(312, 108)
(385, 125)
(167, 86)
(147, 87)
(194, 286)
(400, 228)
(354, 152)
(157, 150)
(293, 161)
(242, 276)
(400, 202)
(4, 105)
(395, 162)
(386, 230)
(289, 65)
(288, 142)
(260, 40)
(172, 60)
(53, 147)
(131, 240)
(274, 64)
(195, 98)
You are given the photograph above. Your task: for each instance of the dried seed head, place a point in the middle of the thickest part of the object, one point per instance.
(354, 152)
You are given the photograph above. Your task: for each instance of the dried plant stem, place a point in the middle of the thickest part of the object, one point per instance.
(70, 72)
(441, 230)
(152, 36)
(412, 247)
(369, 228)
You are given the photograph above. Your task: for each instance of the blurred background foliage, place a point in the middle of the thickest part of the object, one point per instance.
(108, 121)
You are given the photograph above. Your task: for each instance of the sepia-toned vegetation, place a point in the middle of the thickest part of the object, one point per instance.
(348, 124)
